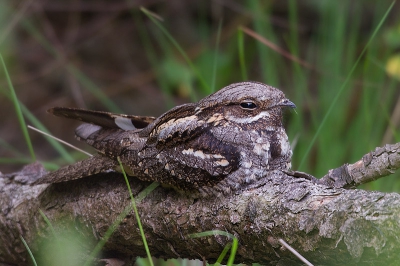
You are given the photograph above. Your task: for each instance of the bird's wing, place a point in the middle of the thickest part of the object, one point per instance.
(181, 150)
(103, 119)
(178, 125)
(175, 126)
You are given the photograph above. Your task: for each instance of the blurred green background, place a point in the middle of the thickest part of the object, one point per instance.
(112, 56)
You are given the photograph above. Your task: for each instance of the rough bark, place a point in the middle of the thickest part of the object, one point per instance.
(326, 223)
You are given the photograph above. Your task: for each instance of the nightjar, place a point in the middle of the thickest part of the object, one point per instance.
(222, 143)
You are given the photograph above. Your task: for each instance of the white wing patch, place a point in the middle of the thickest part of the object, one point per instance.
(124, 123)
(85, 130)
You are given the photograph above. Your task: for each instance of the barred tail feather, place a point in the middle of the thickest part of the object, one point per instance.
(90, 166)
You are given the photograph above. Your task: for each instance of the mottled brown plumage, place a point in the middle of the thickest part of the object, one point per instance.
(227, 140)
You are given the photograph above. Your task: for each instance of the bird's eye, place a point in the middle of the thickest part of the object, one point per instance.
(248, 105)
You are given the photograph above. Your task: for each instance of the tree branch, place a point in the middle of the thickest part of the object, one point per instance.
(381, 162)
(326, 224)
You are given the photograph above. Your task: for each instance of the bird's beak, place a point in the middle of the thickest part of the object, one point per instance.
(286, 103)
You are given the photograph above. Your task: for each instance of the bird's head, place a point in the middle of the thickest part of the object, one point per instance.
(245, 103)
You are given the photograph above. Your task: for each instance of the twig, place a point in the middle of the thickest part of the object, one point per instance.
(59, 140)
(297, 254)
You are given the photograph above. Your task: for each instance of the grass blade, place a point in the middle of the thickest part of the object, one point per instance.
(334, 101)
(243, 68)
(223, 254)
(108, 234)
(29, 250)
(203, 83)
(18, 111)
(146, 191)
(235, 242)
(136, 214)
(32, 119)
(215, 63)
(56, 145)
(154, 60)
(119, 219)
(48, 223)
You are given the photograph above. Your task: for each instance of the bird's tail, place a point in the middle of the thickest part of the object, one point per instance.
(90, 166)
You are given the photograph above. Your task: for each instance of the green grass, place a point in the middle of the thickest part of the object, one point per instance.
(18, 110)
(29, 251)
(232, 246)
(204, 84)
(136, 215)
(333, 104)
(345, 97)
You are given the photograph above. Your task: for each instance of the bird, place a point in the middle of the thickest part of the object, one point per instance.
(220, 144)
